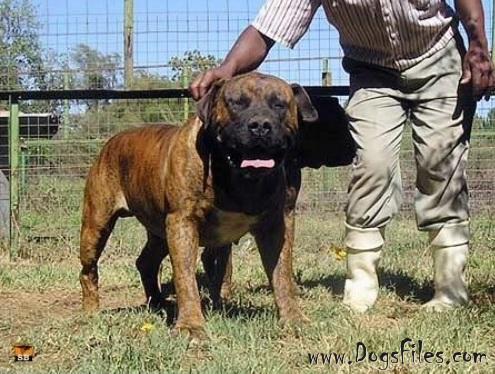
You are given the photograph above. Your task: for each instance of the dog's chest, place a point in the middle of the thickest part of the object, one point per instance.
(222, 227)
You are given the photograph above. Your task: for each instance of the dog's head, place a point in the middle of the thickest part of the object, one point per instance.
(254, 120)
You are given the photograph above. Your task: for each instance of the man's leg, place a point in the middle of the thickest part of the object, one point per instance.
(442, 121)
(441, 150)
(376, 120)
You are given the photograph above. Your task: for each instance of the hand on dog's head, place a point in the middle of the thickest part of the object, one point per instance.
(306, 110)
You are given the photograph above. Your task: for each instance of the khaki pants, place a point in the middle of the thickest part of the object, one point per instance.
(441, 112)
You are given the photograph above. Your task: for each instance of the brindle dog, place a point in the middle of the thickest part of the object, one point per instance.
(224, 174)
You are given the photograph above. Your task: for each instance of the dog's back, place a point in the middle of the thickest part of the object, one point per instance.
(127, 148)
(130, 172)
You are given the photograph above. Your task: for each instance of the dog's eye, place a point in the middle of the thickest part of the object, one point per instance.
(279, 105)
(240, 103)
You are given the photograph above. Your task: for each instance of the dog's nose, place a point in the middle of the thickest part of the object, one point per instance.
(260, 127)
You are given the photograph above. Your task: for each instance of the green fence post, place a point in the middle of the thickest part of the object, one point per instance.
(14, 144)
(185, 84)
(65, 115)
(24, 160)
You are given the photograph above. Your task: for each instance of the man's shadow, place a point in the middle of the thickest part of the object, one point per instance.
(405, 287)
(168, 309)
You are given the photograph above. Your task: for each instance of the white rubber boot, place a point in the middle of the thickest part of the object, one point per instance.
(361, 284)
(363, 254)
(450, 285)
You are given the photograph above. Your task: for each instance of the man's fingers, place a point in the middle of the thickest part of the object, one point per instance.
(491, 84)
(200, 86)
(194, 92)
(206, 81)
(204, 85)
(194, 87)
(476, 78)
(466, 75)
(484, 84)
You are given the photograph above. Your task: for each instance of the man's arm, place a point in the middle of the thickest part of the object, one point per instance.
(477, 64)
(248, 52)
(283, 21)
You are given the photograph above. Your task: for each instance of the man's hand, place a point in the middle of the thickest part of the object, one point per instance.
(478, 70)
(247, 54)
(203, 82)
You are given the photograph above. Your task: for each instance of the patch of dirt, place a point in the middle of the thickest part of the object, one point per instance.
(30, 308)
(21, 311)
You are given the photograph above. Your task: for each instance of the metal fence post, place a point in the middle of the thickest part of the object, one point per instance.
(327, 175)
(326, 74)
(493, 30)
(128, 42)
(14, 144)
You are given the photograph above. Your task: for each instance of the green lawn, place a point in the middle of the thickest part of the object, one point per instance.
(40, 301)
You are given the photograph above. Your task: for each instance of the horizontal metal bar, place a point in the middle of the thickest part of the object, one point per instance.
(168, 93)
(93, 94)
(327, 91)
(53, 142)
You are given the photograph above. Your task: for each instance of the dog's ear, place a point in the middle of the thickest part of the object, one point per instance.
(328, 141)
(306, 109)
(205, 104)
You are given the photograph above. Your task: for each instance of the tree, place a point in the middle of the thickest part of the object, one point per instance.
(91, 69)
(97, 70)
(188, 67)
(21, 60)
(144, 80)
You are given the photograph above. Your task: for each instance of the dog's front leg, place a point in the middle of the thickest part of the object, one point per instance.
(183, 242)
(275, 239)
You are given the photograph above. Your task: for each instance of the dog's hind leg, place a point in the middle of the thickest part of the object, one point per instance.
(148, 264)
(217, 263)
(97, 224)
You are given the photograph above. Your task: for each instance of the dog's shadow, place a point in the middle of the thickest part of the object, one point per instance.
(405, 287)
(168, 309)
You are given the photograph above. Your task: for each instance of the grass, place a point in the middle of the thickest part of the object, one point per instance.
(40, 293)
(40, 303)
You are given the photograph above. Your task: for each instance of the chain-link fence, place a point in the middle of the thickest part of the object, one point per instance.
(51, 45)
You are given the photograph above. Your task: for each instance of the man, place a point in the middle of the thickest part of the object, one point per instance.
(405, 59)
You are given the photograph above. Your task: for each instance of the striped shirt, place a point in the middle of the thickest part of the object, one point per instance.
(392, 33)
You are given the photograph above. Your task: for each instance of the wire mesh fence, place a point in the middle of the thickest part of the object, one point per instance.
(68, 45)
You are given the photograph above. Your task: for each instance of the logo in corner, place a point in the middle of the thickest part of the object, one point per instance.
(22, 352)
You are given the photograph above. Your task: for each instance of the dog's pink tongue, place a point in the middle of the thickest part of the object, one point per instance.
(258, 163)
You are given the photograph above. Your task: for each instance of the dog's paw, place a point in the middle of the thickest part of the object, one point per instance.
(196, 335)
(225, 292)
(295, 328)
(295, 321)
(220, 298)
(90, 305)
